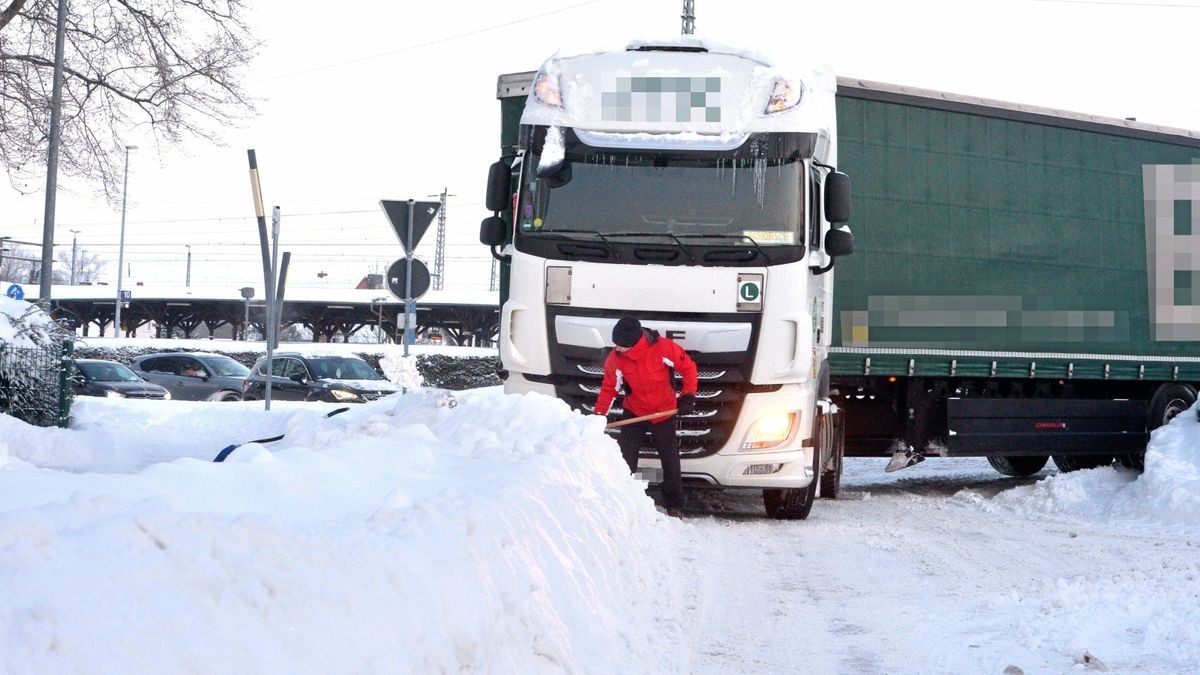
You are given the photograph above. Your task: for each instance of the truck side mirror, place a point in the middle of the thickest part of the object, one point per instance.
(555, 175)
(839, 241)
(492, 231)
(837, 197)
(499, 187)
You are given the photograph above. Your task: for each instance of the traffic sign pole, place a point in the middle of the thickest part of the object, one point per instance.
(410, 332)
(409, 227)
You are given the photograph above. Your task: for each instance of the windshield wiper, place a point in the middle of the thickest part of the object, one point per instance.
(604, 240)
(738, 237)
(686, 251)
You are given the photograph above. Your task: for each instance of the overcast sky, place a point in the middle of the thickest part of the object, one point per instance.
(386, 100)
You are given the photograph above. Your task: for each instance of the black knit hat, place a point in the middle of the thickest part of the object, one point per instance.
(627, 332)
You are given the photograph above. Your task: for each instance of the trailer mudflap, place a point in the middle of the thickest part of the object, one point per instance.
(1044, 426)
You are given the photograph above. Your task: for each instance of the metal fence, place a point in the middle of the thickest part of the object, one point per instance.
(35, 383)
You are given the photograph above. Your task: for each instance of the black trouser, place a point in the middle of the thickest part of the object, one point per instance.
(667, 446)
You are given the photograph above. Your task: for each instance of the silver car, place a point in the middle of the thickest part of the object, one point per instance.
(194, 376)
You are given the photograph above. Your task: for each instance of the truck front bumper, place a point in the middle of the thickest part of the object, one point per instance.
(788, 465)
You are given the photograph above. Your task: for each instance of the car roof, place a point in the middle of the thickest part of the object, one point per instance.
(307, 356)
(150, 356)
(98, 361)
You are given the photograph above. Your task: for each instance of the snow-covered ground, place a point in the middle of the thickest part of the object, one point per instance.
(492, 533)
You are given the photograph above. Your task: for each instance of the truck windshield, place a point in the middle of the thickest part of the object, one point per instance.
(752, 196)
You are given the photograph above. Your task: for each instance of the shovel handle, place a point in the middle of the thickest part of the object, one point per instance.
(643, 418)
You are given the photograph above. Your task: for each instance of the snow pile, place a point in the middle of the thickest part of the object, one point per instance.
(401, 370)
(502, 534)
(1170, 487)
(1165, 497)
(1140, 610)
(24, 324)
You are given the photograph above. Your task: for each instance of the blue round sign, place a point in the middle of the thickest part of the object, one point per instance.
(15, 292)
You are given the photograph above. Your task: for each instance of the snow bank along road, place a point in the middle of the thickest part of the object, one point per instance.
(503, 534)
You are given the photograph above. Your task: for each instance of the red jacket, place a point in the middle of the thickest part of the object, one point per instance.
(644, 372)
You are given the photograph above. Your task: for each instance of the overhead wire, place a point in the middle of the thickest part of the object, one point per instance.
(429, 43)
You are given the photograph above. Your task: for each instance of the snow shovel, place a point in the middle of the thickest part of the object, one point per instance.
(902, 459)
(643, 418)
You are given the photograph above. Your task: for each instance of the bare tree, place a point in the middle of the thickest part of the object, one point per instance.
(18, 264)
(172, 65)
(87, 266)
(22, 264)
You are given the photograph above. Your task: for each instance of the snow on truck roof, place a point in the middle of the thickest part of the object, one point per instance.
(510, 85)
(670, 43)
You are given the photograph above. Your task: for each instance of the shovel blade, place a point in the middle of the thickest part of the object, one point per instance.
(902, 459)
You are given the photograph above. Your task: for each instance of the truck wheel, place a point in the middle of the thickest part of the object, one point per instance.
(1168, 401)
(793, 503)
(1018, 465)
(1066, 463)
(831, 477)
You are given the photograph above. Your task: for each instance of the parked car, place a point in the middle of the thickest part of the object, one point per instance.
(334, 378)
(97, 377)
(194, 376)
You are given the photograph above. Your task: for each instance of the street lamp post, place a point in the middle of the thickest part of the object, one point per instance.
(121, 245)
(188, 283)
(247, 293)
(52, 154)
(379, 302)
(74, 251)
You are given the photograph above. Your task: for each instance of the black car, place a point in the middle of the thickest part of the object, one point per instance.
(96, 377)
(333, 378)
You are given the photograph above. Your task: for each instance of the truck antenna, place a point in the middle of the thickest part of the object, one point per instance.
(689, 17)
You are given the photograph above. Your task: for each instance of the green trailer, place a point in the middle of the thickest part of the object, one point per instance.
(1026, 281)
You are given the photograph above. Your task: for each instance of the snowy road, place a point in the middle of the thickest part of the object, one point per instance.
(503, 534)
(920, 572)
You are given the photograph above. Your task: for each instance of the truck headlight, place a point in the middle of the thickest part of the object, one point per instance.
(545, 88)
(770, 431)
(343, 395)
(111, 393)
(785, 96)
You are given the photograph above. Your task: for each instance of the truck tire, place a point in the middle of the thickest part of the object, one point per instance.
(1018, 466)
(831, 477)
(793, 503)
(1067, 463)
(1168, 401)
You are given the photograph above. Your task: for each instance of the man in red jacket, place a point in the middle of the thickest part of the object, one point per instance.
(642, 363)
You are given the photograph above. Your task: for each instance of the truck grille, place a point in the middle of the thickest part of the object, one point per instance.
(704, 432)
(577, 369)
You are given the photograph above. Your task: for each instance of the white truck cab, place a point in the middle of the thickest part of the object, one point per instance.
(691, 186)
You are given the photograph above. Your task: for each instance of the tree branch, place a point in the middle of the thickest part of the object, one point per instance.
(10, 12)
(173, 65)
